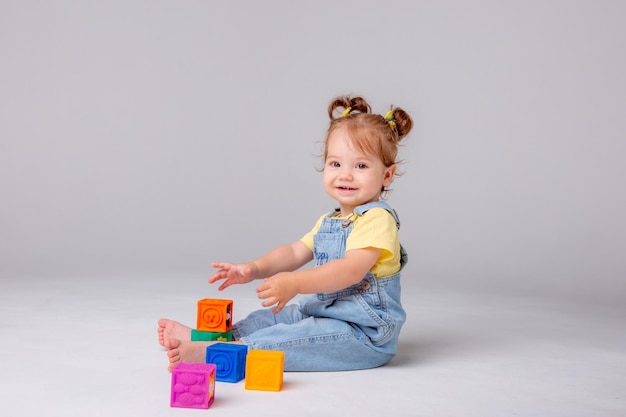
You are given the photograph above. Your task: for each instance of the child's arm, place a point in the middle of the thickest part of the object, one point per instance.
(281, 259)
(332, 276)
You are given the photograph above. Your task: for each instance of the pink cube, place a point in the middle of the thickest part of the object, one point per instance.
(193, 385)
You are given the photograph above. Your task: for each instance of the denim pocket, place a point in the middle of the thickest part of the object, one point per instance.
(328, 246)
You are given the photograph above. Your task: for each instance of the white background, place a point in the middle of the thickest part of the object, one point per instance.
(142, 140)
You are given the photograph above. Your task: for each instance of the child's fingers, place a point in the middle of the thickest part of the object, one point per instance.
(263, 287)
(217, 276)
(269, 302)
(278, 308)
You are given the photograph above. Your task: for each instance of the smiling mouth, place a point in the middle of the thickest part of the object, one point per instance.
(346, 188)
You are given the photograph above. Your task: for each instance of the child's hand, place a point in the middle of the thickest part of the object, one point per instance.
(279, 288)
(233, 273)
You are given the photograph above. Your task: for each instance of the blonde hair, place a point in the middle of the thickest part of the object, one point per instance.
(370, 133)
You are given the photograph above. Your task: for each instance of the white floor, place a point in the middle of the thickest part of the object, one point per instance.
(87, 347)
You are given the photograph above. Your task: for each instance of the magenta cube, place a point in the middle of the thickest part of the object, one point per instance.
(193, 385)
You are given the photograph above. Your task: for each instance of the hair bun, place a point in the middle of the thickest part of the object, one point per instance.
(403, 122)
(352, 104)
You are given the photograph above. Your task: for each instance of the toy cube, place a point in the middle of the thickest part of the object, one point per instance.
(200, 336)
(230, 360)
(193, 385)
(215, 315)
(264, 370)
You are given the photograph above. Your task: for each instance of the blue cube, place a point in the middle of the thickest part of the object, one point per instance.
(230, 360)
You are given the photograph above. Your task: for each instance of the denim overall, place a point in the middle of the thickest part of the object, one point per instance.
(354, 328)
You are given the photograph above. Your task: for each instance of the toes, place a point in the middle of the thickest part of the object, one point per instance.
(171, 343)
(174, 359)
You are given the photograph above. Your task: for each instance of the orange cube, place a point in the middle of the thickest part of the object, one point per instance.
(215, 315)
(264, 370)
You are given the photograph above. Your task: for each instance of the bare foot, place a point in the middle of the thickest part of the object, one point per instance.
(170, 329)
(183, 351)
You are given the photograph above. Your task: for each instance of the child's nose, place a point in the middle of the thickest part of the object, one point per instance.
(346, 173)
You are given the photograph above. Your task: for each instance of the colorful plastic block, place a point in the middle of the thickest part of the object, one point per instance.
(230, 360)
(193, 385)
(200, 336)
(264, 370)
(215, 315)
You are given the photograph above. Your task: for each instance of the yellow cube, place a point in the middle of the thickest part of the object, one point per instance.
(264, 370)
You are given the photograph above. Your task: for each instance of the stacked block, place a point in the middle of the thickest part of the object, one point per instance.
(264, 370)
(200, 336)
(230, 360)
(193, 385)
(214, 315)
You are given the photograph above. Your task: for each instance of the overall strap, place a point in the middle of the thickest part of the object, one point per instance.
(333, 212)
(360, 210)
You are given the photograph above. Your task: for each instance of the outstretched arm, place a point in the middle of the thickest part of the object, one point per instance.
(281, 259)
(332, 276)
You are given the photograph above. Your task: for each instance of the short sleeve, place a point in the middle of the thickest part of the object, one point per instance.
(377, 228)
(308, 238)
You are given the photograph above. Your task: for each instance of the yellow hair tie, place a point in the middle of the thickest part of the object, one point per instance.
(346, 112)
(390, 119)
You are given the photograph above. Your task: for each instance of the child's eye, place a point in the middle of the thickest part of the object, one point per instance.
(361, 166)
(334, 164)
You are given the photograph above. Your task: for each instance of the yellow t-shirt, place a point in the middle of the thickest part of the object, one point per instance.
(374, 229)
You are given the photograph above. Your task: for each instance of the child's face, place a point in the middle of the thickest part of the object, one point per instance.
(352, 177)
